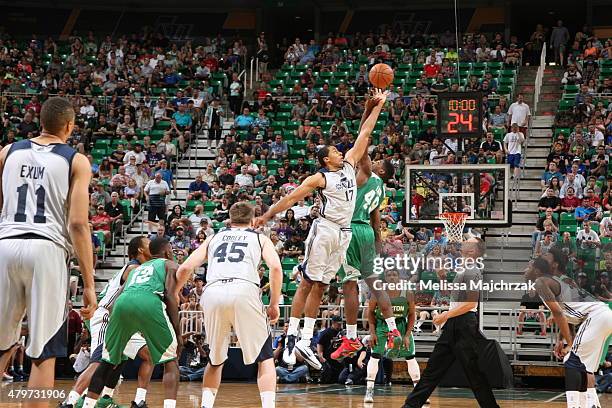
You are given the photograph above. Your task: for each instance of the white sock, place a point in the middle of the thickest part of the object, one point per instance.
(583, 399)
(573, 399)
(268, 399)
(372, 371)
(391, 323)
(351, 331)
(108, 391)
(73, 397)
(592, 400)
(294, 326)
(169, 403)
(208, 397)
(414, 371)
(141, 394)
(308, 329)
(89, 403)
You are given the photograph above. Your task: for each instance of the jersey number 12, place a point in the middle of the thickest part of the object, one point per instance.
(22, 196)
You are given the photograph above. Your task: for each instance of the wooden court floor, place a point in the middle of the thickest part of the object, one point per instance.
(242, 395)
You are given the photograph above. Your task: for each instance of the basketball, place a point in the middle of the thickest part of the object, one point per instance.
(381, 76)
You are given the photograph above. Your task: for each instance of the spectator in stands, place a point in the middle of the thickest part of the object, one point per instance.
(197, 188)
(288, 374)
(572, 76)
(520, 114)
(156, 191)
(570, 201)
(550, 173)
(513, 142)
(544, 245)
(587, 238)
(559, 37)
(550, 202)
(331, 368)
(590, 208)
(102, 222)
(498, 120)
(567, 246)
(531, 308)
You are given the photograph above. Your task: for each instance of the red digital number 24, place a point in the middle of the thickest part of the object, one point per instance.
(459, 118)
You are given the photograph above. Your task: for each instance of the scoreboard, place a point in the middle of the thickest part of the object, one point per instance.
(459, 114)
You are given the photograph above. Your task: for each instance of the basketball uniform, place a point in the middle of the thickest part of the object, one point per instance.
(99, 321)
(400, 308)
(595, 320)
(362, 251)
(232, 298)
(330, 234)
(140, 309)
(35, 246)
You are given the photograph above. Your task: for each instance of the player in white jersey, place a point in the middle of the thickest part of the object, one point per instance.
(138, 253)
(232, 299)
(45, 202)
(330, 234)
(570, 304)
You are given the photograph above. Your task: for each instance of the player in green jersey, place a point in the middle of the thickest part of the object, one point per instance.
(148, 304)
(365, 243)
(404, 308)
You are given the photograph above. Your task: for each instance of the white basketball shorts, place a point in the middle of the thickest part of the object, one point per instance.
(591, 338)
(326, 247)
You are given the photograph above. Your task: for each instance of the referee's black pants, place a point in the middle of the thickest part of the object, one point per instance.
(461, 339)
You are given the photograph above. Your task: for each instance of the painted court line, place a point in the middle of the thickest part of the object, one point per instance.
(554, 398)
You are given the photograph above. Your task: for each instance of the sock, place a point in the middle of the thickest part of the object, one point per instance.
(294, 326)
(84, 393)
(308, 329)
(89, 403)
(73, 397)
(573, 399)
(268, 399)
(208, 397)
(582, 399)
(108, 391)
(351, 331)
(20, 367)
(413, 370)
(391, 323)
(592, 400)
(372, 370)
(141, 394)
(169, 403)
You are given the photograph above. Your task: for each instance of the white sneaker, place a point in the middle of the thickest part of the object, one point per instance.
(369, 396)
(308, 354)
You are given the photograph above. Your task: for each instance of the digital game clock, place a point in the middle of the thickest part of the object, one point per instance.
(459, 114)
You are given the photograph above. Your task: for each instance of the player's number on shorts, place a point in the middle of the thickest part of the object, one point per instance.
(142, 275)
(236, 254)
(22, 196)
(372, 200)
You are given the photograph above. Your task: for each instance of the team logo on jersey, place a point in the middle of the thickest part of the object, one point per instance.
(344, 183)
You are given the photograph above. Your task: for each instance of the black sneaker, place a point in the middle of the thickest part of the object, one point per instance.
(143, 404)
(64, 405)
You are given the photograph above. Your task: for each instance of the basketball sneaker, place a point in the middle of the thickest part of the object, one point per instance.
(289, 353)
(108, 402)
(392, 338)
(369, 396)
(308, 354)
(347, 349)
(141, 404)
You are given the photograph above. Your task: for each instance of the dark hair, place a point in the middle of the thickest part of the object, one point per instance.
(559, 257)
(541, 265)
(135, 244)
(322, 154)
(158, 245)
(55, 113)
(389, 170)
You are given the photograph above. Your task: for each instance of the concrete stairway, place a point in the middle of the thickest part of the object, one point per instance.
(507, 256)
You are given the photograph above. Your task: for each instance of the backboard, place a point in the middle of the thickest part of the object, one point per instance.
(480, 190)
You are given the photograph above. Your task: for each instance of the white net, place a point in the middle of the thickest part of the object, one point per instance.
(454, 223)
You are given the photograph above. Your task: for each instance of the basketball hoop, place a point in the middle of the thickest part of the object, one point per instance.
(454, 223)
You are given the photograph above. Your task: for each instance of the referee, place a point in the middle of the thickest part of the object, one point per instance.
(459, 340)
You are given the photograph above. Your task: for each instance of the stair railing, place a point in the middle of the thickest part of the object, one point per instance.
(539, 78)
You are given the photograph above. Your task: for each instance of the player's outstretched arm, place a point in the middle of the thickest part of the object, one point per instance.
(195, 260)
(3, 154)
(78, 228)
(308, 185)
(361, 144)
(364, 169)
(270, 256)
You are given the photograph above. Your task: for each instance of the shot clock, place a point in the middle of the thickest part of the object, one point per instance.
(459, 114)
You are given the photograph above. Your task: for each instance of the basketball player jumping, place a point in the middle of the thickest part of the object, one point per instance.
(330, 234)
(365, 243)
(581, 354)
(147, 304)
(138, 253)
(45, 206)
(232, 298)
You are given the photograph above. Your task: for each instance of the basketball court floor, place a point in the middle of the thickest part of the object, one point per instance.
(243, 395)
